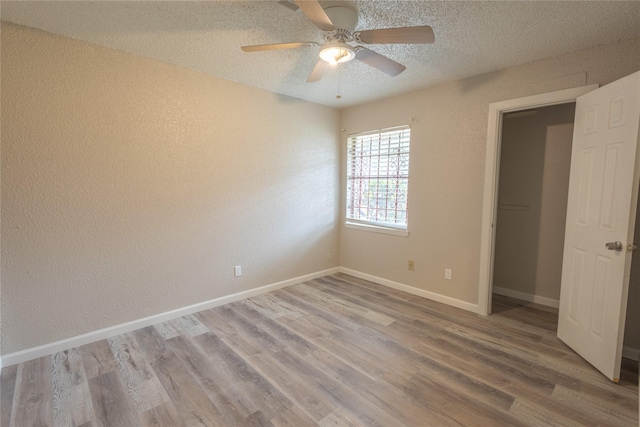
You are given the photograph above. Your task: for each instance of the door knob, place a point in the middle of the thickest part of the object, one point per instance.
(614, 246)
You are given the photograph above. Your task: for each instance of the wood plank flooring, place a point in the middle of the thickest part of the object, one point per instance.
(336, 351)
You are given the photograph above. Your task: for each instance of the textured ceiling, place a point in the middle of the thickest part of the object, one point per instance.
(472, 37)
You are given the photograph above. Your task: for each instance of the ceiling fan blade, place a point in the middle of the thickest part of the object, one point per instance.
(406, 35)
(289, 4)
(261, 47)
(379, 62)
(318, 71)
(315, 13)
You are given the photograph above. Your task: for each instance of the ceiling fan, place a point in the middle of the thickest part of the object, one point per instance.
(338, 25)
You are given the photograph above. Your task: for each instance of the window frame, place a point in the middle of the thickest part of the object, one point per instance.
(368, 225)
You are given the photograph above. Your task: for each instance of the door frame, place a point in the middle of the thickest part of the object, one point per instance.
(492, 175)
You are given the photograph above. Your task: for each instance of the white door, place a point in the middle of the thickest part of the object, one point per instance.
(603, 192)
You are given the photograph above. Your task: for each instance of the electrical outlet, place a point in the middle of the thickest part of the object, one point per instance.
(237, 271)
(447, 273)
(412, 265)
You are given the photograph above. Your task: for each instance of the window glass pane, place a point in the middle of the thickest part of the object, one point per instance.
(378, 177)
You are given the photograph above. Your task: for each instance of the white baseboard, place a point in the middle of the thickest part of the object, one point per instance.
(549, 302)
(69, 343)
(631, 353)
(66, 344)
(474, 308)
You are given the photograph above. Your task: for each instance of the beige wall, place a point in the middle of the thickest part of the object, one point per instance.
(447, 166)
(131, 187)
(632, 327)
(534, 174)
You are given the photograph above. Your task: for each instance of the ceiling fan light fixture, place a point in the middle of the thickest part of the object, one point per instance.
(337, 52)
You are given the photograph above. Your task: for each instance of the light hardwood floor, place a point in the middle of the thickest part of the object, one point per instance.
(336, 351)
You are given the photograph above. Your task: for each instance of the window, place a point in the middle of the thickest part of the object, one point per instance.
(378, 180)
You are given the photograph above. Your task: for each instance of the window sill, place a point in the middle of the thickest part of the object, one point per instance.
(376, 229)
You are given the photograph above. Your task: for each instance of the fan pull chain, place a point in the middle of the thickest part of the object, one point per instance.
(338, 96)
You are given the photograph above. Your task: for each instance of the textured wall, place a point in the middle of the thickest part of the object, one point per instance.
(632, 327)
(131, 187)
(449, 136)
(534, 172)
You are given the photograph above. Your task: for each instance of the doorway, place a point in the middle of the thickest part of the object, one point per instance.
(535, 158)
(520, 109)
(492, 169)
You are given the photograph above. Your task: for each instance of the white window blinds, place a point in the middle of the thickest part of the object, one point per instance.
(378, 177)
